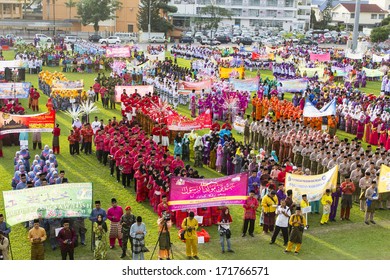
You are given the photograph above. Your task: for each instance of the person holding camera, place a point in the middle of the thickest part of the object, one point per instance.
(67, 239)
(37, 236)
(164, 224)
(224, 221)
(298, 223)
(190, 225)
(4, 246)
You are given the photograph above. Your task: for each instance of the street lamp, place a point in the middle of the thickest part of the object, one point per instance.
(149, 20)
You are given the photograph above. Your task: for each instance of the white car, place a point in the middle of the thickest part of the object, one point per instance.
(112, 40)
(157, 39)
(70, 39)
(43, 38)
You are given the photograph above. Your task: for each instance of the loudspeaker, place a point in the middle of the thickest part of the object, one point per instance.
(8, 74)
(22, 74)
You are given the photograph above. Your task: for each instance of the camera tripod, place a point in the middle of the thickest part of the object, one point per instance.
(167, 240)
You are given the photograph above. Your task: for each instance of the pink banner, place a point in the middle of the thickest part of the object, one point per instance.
(180, 123)
(187, 193)
(118, 52)
(195, 85)
(141, 90)
(320, 57)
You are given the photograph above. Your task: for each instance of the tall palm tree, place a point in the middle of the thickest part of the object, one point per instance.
(70, 4)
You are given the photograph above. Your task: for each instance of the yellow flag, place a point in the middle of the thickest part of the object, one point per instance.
(384, 179)
(313, 186)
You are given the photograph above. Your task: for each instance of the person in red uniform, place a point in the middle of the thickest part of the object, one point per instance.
(71, 140)
(77, 139)
(56, 139)
(347, 188)
(96, 89)
(142, 178)
(227, 125)
(87, 134)
(156, 131)
(126, 165)
(35, 100)
(164, 136)
(99, 145)
(216, 126)
(117, 157)
(250, 206)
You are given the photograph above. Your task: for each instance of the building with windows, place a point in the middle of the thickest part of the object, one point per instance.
(370, 14)
(384, 4)
(59, 12)
(11, 9)
(286, 14)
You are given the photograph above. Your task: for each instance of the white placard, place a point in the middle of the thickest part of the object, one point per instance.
(200, 239)
(306, 210)
(58, 230)
(199, 219)
(23, 143)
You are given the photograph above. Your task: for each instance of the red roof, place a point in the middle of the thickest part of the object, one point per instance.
(364, 8)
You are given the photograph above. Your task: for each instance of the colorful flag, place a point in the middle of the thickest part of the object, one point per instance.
(43, 122)
(187, 193)
(313, 186)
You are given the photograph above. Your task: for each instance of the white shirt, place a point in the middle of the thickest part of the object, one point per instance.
(282, 220)
(95, 126)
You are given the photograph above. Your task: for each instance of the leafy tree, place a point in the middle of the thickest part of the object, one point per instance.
(95, 11)
(385, 21)
(159, 21)
(212, 15)
(380, 34)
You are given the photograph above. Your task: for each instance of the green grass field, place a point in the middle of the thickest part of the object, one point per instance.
(340, 240)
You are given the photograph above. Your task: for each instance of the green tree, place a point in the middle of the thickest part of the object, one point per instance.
(212, 15)
(380, 34)
(70, 4)
(95, 11)
(159, 21)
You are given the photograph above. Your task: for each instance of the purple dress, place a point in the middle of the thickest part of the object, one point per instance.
(333, 208)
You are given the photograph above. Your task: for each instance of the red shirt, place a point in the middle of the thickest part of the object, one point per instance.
(164, 131)
(156, 131)
(56, 131)
(347, 187)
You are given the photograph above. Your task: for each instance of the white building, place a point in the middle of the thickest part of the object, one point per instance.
(370, 15)
(286, 14)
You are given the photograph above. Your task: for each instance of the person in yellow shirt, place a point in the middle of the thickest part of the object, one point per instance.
(297, 222)
(190, 225)
(326, 202)
(37, 236)
(269, 204)
(305, 203)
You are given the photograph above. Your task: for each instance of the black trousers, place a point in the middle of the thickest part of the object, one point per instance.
(88, 147)
(39, 145)
(284, 232)
(251, 224)
(105, 157)
(76, 147)
(126, 178)
(118, 174)
(71, 149)
(99, 155)
(112, 167)
(64, 254)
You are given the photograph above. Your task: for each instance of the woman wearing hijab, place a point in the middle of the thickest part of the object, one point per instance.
(185, 148)
(198, 149)
(178, 145)
(100, 230)
(219, 160)
(224, 221)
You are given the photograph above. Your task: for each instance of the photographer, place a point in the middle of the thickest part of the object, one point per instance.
(66, 239)
(164, 224)
(190, 225)
(224, 221)
(4, 246)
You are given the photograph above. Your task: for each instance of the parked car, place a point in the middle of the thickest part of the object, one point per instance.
(70, 39)
(110, 40)
(94, 38)
(223, 39)
(43, 38)
(187, 40)
(307, 42)
(245, 41)
(157, 39)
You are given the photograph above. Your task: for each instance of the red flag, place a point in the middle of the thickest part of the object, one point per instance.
(255, 56)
